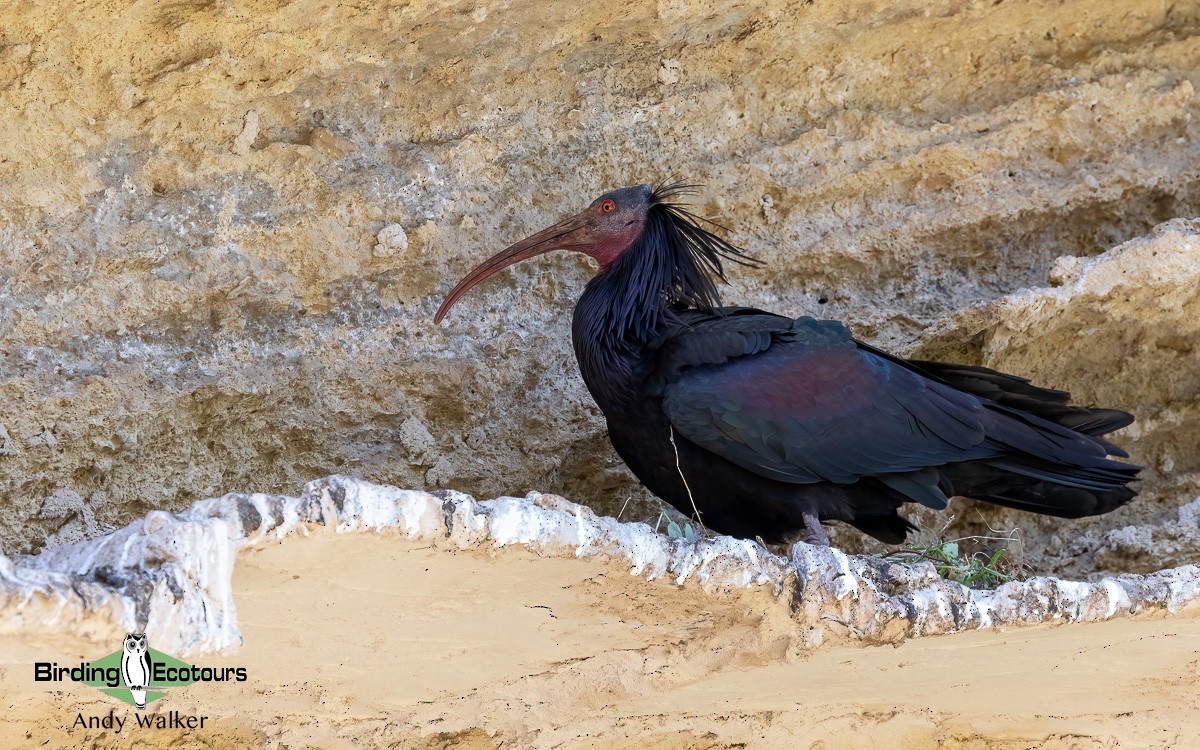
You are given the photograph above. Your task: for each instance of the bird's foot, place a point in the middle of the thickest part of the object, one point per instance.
(815, 534)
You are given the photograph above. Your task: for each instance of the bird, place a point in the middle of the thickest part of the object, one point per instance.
(135, 667)
(764, 426)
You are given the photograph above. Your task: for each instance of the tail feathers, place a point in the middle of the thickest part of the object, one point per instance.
(1045, 467)
(1094, 420)
(1049, 455)
(1038, 447)
(1084, 477)
(1062, 491)
(1052, 499)
(1019, 394)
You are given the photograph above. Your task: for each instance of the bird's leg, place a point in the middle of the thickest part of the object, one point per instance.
(816, 534)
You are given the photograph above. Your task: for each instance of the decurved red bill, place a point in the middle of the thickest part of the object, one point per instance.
(565, 235)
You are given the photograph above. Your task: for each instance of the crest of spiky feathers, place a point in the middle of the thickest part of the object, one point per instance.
(678, 239)
(673, 264)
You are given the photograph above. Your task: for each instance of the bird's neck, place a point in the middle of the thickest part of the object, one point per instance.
(615, 319)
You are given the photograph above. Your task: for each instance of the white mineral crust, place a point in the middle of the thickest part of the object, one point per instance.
(171, 574)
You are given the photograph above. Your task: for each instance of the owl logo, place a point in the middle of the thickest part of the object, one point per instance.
(135, 667)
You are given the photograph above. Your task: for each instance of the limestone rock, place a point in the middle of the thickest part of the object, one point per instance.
(194, 302)
(1132, 312)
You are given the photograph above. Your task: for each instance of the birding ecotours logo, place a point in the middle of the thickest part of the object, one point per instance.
(136, 673)
(135, 668)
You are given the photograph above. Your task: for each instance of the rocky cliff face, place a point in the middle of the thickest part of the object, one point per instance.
(224, 228)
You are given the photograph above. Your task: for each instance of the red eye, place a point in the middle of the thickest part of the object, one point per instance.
(607, 206)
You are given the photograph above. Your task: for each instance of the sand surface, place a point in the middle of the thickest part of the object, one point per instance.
(363, 640)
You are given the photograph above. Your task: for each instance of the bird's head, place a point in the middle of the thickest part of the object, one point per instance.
(613, 225)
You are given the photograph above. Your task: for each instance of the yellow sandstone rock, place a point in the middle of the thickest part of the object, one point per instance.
(192, 197)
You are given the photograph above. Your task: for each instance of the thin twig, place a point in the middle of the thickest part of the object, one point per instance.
(679, 469)
(624, 506)
(918, 553)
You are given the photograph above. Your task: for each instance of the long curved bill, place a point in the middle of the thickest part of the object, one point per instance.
(561, 236)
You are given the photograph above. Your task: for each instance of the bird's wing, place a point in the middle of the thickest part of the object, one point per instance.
(799, 401)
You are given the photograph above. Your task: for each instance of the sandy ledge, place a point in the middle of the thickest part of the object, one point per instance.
(172, 574)
(372, 616)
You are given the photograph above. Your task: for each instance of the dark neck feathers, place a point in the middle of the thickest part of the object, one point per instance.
(669, 266)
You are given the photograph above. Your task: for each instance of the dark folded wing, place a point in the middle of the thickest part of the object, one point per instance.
(804, 404)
